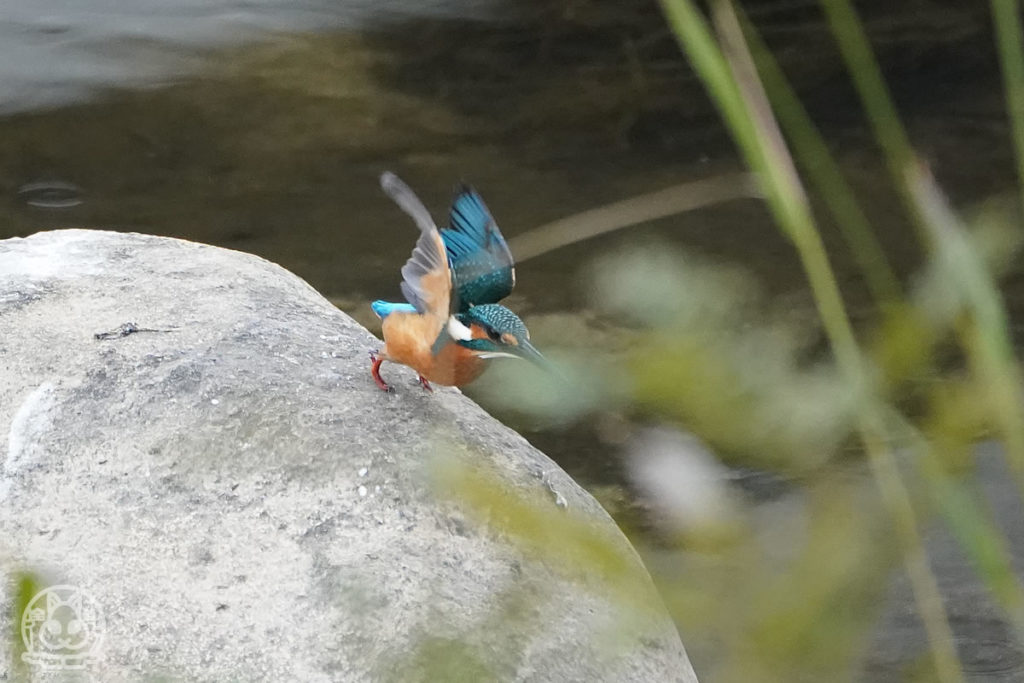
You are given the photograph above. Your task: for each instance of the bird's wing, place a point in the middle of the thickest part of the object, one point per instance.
(483, 271)
(426, 277)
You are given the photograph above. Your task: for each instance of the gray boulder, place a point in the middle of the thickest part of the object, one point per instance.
(228, 497)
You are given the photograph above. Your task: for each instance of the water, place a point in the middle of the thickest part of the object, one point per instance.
(187, 119)
(55, 52)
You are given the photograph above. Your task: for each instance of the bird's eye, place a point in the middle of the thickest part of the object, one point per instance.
(494, 335)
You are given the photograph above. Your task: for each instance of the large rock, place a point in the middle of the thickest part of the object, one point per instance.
(242, 503)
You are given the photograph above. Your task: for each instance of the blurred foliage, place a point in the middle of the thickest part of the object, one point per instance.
(874, 427)
(444, 659)
(25, 586)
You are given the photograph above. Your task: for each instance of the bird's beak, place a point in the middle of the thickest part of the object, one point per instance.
(528, 351)
(524, 350)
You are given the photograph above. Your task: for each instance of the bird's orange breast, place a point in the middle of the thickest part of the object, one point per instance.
(409, 340)
(454, 366)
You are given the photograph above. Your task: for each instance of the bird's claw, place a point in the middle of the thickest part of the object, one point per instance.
(384, 386)
(375, 371)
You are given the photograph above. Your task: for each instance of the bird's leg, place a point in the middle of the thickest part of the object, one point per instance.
(375, 371)
(425, 384)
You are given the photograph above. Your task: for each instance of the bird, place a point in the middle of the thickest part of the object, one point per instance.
(451, 323)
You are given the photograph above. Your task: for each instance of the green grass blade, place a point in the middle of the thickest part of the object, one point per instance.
(922, 582)
(1007, 24)
(824, 172)
(736, 90)
(26, 585)
(980, 539)
(986, 336)
(971, 524)
(761, 146)
(874, 94)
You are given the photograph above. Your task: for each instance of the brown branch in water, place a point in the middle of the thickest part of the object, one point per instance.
(639, 209)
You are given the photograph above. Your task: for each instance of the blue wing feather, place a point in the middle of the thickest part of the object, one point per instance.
(482, 268)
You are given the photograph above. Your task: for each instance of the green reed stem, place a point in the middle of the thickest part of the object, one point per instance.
(986, 339)
(922, 581)
(874, 94)
(972, 526)
(823, 172)
(986, 336)
(736, 89)
(1007, 24)
(774, 171)
(987, 343)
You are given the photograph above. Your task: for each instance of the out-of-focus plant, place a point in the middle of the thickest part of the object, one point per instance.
(874, 432)
(25, 585)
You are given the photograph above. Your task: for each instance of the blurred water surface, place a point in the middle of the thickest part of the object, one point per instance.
(58, 51)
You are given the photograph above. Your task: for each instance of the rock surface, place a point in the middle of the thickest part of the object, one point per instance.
(242, 503)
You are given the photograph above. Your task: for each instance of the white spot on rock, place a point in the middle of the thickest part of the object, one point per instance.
(29, 422)
(545, 477)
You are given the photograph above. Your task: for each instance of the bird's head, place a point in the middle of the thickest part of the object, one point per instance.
(493, 331)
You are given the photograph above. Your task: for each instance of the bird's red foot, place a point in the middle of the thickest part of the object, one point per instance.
(425, 384)
(375, 371)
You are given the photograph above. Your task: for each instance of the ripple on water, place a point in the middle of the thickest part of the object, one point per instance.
(51, 194)
(989, 656)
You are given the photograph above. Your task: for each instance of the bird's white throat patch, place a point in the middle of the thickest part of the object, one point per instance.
(457, 330)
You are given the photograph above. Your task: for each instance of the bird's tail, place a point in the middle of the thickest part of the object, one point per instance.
(385, 308)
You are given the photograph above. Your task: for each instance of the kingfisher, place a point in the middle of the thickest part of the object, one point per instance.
(451, 323)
